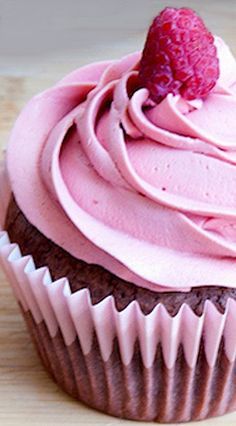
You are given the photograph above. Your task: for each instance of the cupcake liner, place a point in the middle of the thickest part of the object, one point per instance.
(149, 367)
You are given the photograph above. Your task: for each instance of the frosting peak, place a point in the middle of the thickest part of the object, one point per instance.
(147, 191)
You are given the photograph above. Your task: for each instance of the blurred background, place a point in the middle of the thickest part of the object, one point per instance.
(51, 37)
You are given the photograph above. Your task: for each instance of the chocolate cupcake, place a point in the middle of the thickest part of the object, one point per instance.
(118, 206)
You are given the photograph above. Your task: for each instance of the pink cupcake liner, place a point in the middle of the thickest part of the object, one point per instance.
(149, 367)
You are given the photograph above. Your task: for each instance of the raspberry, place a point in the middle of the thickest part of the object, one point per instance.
(179, 56)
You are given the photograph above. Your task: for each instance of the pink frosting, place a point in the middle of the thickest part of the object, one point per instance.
(147, 191)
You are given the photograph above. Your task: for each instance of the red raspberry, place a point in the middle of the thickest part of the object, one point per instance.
(179, 56)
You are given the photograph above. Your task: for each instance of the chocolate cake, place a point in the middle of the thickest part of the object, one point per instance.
(101, 282)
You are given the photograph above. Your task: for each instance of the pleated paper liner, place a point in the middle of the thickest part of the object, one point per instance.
(130, 365)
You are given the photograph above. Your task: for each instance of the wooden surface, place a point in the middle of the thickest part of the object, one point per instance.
(27, 395)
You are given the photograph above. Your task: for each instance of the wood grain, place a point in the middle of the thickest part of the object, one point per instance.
(27, 394)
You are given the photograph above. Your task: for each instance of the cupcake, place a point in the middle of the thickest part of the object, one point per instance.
(118, 204)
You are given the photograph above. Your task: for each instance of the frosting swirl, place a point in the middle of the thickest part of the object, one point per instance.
(147, 191)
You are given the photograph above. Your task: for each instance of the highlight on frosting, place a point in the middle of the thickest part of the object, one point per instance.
(147, 191)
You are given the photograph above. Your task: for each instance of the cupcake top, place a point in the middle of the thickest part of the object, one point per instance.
(130, 164)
